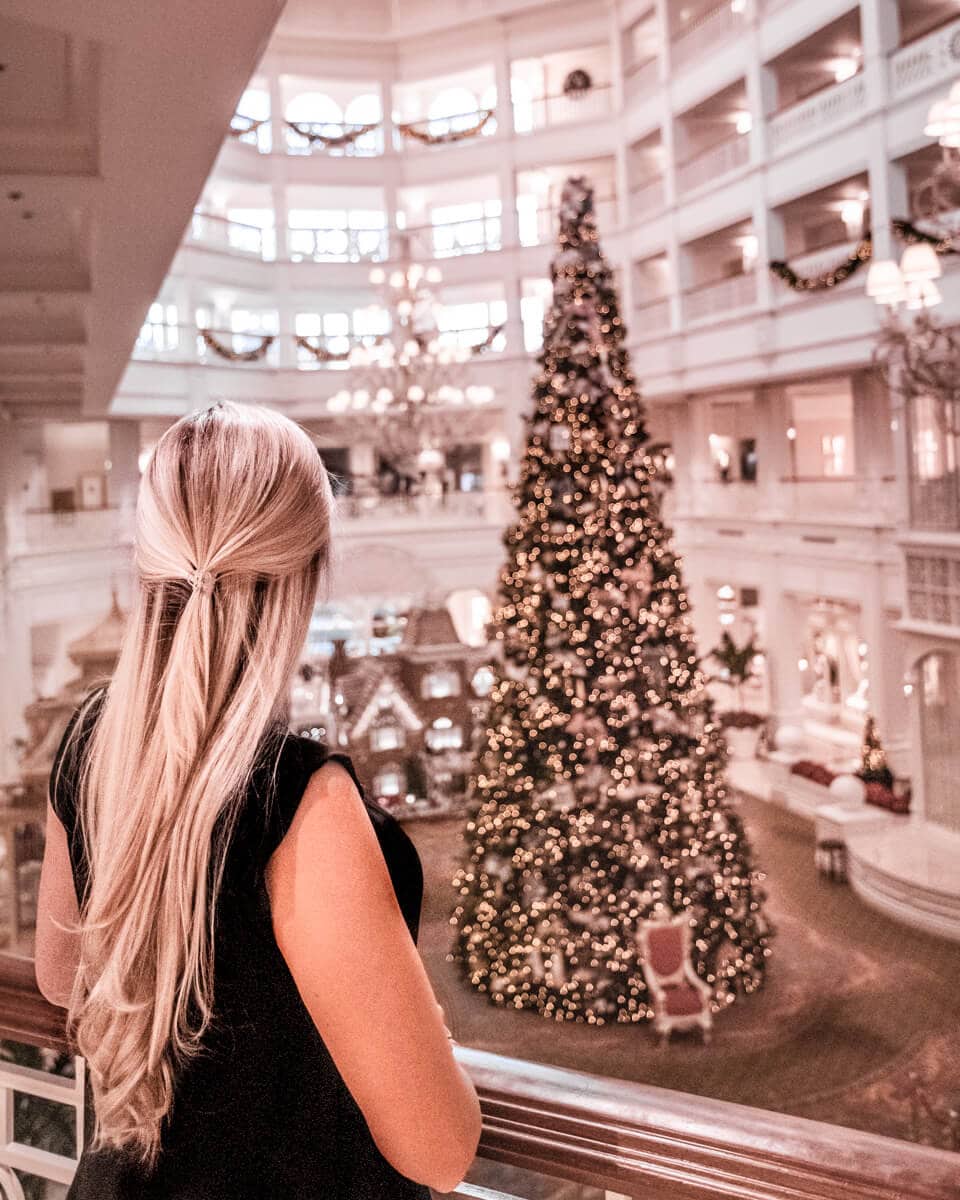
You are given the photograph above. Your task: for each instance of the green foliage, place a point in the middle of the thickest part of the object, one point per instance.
(736, 660)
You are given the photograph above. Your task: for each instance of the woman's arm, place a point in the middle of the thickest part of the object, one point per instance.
(57, 951)
(340, 929)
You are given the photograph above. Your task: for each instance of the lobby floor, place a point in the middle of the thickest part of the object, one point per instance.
(853, 1003)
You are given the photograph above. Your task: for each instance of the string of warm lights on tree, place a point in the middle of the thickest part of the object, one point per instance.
(598, 799)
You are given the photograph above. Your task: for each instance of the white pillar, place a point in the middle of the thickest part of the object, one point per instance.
(123, 479)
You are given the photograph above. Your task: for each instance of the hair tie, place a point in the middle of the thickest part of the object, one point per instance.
(202, 582)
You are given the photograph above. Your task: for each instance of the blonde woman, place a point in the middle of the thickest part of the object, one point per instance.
(229, 922)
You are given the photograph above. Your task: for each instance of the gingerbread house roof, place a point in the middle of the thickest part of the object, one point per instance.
(431, 632)
(390, 693)
(101, 644)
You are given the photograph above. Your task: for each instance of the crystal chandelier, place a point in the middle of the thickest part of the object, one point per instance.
(408, 378)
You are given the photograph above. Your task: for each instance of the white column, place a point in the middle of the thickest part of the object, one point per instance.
(786, 625)
(124, 477)
(501, 67)
(774, 463)
(17, 690)
(278, 131)
(509, 222)
(880, 35)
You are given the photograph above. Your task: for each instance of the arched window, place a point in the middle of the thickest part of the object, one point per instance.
(316, 109)
(939, 721)
(365, 110)
(452, 109)
(254, 108)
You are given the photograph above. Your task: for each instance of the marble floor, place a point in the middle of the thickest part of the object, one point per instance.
(854, 1001)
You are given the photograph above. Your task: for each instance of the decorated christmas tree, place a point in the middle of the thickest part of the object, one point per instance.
(597, 801)
(873, 757)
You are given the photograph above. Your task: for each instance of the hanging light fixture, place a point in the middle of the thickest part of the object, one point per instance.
(407, 375)
(943, 119)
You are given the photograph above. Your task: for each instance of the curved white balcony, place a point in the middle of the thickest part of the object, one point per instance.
(642, 79)
(214, 232)
(651, 318)
(710, 300)
(713, 164)
(41, 531)
(818, 115)
(705, 31)
(930, 60)
(648, 197)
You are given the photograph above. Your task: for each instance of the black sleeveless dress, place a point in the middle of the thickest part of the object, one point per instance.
(263, 1113)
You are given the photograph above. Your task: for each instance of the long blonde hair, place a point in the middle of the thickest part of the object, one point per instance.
(232, 540)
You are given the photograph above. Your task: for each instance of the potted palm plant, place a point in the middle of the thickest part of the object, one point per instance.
(741, 727)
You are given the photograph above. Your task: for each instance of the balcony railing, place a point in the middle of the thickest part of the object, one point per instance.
(818, 114)
(651, 318)
(548, 1130)
(648, 197)
(220, 233)
(452, 238)
(833, 499)
(337, 245)
(930, 60)
(488, 505)
(712, 164)
(705, 30)
(545, 111)
(642, 79)
(710, 300)
(40, 531)
(186, 345)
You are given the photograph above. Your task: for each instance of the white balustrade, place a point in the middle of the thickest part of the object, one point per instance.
(651, 318)
(648, 198)
(544, 111)
(712, 164)
(929, 60)
(337, 245)
(453, 238)
(704, 31)
(220, 233)
(45, 532)
(815, 497)
(818, 114)
(720, 297)
(490, 505)
(642, 78)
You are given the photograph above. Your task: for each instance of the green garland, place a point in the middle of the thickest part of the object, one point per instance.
(907, 232)
(828, 279)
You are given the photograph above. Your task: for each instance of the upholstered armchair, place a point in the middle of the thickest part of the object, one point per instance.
(681, 999)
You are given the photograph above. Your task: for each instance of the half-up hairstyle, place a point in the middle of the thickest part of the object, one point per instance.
(232, 541)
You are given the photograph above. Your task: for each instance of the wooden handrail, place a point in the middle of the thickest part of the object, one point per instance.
(25, 1016)
(664, 1145)
(628, 1137)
